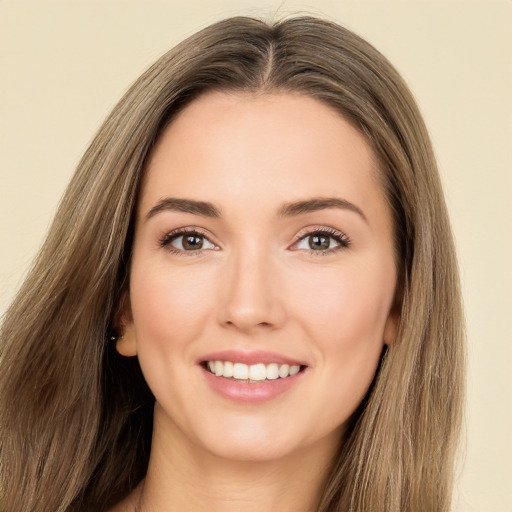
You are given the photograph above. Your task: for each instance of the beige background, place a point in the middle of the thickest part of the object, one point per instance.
(63, 65)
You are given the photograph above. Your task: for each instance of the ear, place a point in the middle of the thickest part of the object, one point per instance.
(393, 320)
(391, 327)
(126, 342)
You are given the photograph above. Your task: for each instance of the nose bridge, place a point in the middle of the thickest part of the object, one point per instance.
(251, 295)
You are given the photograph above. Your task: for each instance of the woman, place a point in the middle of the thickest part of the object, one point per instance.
(261, 223)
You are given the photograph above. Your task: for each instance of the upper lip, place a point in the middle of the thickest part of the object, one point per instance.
(251, 357)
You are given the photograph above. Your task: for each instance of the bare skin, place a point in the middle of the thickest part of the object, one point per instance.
(291, 258)
(229, 486)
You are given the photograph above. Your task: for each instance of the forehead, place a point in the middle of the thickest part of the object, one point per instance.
(278, 146)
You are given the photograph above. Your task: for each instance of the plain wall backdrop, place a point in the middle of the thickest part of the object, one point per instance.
(64, 65)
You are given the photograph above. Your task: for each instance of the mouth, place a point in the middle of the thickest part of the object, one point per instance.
(251, 373)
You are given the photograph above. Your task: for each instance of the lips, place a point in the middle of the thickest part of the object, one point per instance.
(251, 377)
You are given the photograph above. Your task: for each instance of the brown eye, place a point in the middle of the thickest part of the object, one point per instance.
(319, 242)
(322, 241)
(192, 242)
(187, 241)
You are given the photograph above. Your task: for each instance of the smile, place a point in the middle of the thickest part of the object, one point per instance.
(252, 373)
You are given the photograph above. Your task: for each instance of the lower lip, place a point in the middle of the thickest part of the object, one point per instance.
(253, 393)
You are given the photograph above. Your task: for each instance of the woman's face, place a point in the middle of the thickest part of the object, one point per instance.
(263, 247)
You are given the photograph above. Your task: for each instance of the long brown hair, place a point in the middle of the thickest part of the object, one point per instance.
(75, 430)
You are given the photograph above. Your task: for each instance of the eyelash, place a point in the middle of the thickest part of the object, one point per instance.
(339, 237)
(168, 238)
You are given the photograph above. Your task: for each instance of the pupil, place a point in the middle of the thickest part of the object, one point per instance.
(319, 242)
(191, 242)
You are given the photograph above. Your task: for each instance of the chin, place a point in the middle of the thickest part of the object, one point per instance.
(250, 452)
(249, 443)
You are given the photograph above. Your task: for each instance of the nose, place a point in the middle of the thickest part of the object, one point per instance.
(251, 296)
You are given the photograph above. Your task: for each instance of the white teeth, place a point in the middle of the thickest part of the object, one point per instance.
(272, 371)
(294, 369)
(284, 370)
(240, 371)
(228, 369)
(257, 372)
(253, 372)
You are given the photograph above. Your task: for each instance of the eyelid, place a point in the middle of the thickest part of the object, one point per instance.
(165, 240)
(343, 240)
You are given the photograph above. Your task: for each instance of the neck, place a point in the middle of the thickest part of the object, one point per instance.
(180, 477)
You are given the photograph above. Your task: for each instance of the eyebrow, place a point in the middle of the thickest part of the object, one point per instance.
(292, 209)
(184, 205)
(319, 203)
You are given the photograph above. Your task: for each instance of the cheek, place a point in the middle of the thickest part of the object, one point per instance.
(345, 319)
(343, 307)
(169, 306)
